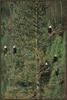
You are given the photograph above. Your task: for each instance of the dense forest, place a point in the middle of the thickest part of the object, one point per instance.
(32, 57)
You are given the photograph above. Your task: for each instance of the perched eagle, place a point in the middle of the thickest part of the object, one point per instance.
(5, 49)
(14, 49)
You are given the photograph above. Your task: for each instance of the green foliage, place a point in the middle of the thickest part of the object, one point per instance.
(25, 24)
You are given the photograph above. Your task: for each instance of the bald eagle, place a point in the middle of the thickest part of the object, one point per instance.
(14, 49)
(50, 29)
(5, 49)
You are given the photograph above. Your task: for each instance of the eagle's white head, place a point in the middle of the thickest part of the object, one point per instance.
(5, 46)
(50, 26)
(46, 63)
(14, 46)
